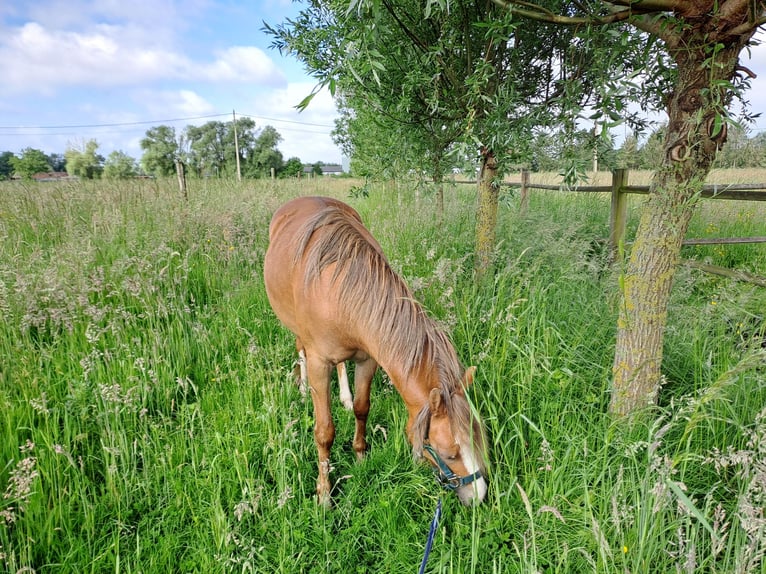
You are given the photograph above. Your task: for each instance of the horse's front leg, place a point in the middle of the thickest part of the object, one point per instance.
(363, 374)
(324, 430)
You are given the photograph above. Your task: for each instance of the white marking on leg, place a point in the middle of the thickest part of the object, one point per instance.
(345, 391)
(303, 382)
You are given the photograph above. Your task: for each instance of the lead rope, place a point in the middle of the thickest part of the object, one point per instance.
(431, 534)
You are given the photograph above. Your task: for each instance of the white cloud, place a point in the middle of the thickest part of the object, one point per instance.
(240, 64)
(34, 59)
(169, 104)
(305, 134)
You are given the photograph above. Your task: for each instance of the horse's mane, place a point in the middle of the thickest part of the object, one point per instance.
(382, 303)
(373, 294)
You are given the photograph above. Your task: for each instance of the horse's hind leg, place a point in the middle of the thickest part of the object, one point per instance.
(363, 374)
(300, 371)
(324, 430)
(345, 391)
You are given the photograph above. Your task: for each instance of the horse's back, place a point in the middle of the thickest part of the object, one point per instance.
(293, 215)
(295, 227)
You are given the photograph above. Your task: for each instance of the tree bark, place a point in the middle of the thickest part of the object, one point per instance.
(692, 139)
(486, 214)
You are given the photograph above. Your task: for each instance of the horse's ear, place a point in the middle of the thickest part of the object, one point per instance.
(468, 376)
(436, 401)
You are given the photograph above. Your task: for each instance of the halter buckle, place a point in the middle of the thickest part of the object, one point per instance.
(446, 478)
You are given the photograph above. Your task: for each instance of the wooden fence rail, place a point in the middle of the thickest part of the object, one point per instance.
(619, 191)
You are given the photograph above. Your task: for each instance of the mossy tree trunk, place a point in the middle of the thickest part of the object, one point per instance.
(486, 214)
(695, 131)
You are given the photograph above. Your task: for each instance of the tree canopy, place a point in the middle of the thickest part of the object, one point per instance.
(161, 150)
(210, 151)
(83, 161)
(119, 165)
(30, 162)
(418, 82)
(6, 164)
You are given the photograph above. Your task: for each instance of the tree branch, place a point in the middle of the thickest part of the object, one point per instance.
(657, 27)
(534, 12)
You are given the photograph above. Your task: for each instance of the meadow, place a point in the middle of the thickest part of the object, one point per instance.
(149, 421)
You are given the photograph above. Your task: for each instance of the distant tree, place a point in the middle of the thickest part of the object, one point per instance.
(120, 165)
(265, 156)
(628, 153)
(30, 162)
(83, 161)
(316, 169)
(57, 161)
(739, 150)
(293, 167)
(759, 144)
(6, 165)
(207, 148)
(651, 152)
(212, 149)
(161, 149)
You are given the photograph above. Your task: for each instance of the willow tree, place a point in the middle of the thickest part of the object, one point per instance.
(694, 67)
(451, 74)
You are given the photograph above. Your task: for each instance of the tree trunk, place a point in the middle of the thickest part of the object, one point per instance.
(693, 137)
(486, 215)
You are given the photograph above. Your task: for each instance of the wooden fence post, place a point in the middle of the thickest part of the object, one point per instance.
(619, 211)
(524, 199)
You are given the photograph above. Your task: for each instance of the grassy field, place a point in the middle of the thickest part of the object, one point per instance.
(149, 422)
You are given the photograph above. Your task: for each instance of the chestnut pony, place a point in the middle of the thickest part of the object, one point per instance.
(330, 284)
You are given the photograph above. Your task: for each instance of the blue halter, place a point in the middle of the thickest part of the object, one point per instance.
(444, 475)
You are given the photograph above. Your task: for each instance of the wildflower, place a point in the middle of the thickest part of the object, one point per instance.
(546, 456)
(20, 485)
(624, 549)
(286, 495)
(40, 405)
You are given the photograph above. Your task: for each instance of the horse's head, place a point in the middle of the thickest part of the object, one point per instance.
(451, 438)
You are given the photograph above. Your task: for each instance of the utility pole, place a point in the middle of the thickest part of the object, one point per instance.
(236, 145)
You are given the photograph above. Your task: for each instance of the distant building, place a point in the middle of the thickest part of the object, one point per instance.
(327, 169)
(54, 176)
(49, 176)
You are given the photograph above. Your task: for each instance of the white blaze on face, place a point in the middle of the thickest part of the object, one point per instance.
(474, 492)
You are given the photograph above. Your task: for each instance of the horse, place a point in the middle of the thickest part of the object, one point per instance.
(329, 282)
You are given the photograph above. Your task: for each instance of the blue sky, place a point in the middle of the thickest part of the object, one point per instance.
(72, 70)
(85, 63)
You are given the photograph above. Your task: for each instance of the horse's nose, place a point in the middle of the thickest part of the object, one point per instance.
(474, 493)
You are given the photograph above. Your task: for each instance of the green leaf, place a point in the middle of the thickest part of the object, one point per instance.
(689, 505)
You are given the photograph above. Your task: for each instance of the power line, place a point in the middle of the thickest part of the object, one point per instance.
(286, 121)
(113, 125)
(146, 122)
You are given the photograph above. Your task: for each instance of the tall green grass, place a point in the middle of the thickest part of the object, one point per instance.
(149, 422)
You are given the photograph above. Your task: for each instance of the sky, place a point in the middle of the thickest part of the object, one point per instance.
(75, 70)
